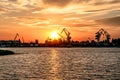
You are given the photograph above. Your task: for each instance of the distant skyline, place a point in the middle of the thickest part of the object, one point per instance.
(36, 19)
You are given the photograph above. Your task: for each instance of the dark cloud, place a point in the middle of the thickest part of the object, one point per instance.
(114, 21)
(2, 10)
(60, 3)
(107, 2)
(115, 1)
(33, 8)
(109, 8)
(81, 25)
(82, 1)
(96, 10)
(13, 0)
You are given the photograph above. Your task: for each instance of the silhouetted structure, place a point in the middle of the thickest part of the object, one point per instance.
(116, 42)
(10, 43)
(65, 41)
(104, 33)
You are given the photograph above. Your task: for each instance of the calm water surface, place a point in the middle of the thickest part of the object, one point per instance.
(61, 64)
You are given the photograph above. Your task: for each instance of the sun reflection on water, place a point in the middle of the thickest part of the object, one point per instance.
(54, 65)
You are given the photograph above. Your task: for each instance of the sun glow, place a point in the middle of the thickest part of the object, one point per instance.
(54, 35)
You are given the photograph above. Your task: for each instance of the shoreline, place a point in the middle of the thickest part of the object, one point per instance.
(58, 47)
(6, 52)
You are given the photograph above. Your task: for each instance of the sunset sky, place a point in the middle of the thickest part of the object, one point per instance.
(36, 19)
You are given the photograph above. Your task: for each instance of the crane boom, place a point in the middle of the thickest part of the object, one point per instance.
(67, 33)
(17, 35)
(61, 36)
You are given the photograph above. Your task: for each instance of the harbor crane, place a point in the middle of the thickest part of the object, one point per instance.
(16, 42)
(64, 37)
(17, 35)
(104, 33)
(67, 33)
(61, 37)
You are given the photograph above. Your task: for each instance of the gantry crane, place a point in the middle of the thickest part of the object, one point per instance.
(104, 33)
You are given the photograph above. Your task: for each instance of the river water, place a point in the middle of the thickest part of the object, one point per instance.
(61, 64)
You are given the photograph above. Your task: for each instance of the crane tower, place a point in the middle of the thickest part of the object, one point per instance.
(67, 33)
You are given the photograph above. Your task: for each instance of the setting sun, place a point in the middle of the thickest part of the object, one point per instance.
(54, 35)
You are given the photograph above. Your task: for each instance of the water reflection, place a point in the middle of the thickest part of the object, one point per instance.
(61, 64)
(54, 71)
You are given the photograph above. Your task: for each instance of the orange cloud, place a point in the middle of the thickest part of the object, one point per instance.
(84, 17)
